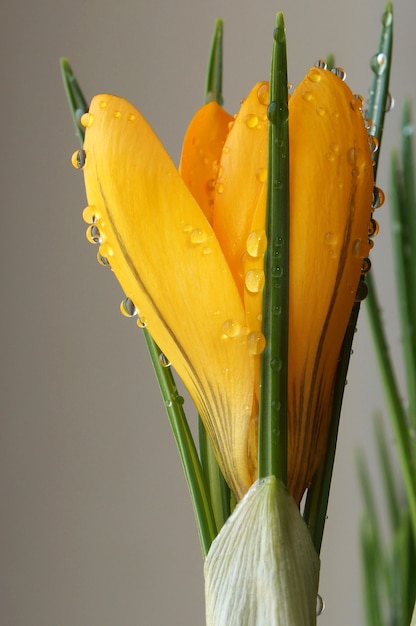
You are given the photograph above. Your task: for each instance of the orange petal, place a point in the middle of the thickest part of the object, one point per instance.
(241, 178)
(201, 152)
(169, 262)
(331, 182)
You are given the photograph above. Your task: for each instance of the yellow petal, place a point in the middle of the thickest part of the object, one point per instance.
(262, 569)
(169, 262)
(201, 151)
(241, 178)
(331, 181)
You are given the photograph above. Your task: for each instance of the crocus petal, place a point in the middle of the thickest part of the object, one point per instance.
(169, 262)
(262, 569)
(201, 151)
(331, 182)
(241, 178)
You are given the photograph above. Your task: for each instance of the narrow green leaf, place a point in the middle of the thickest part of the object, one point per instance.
(77, 102)
(186, 447)
(379, 92)
(213, 87)
(273, 398)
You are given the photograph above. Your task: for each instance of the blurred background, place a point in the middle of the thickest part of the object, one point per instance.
(96, 525)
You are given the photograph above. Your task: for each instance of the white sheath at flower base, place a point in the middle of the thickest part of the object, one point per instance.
(262, 569)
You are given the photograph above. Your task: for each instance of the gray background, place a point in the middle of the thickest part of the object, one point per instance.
(96, 525)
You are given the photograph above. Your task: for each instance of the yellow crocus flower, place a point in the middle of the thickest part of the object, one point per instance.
(187, 248)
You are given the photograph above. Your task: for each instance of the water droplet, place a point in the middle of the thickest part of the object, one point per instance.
(366, 266)
(87, 120)
(256, 342)
(276, 365)
(321, 63)
(320, 605)
(378, 198)
(78, 159)
(117, 114)
(231, 328)
(362, 291)
(164, 360)
(102, 260)
(206, 250)
(389, 103)
(379, 63)
(127, 308)
(261, 174)
(141, 322)
(277, 271)
(105, 250)
(254, 281)
(373, 143)
(357, 103)
(355, 157)
(314, 75)
(168, 403)
(198, 236)
(103, 104)
(251, 120)
(219, 187)
(306, 95)
(320, 111)
(277, 114)
(263, 94)
(131, 117)
(256, 243)
(340, 72)
(88, 214)
(93, 234)
(360, 248)
(373, 228)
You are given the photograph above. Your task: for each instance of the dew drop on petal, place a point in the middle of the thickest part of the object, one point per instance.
(263, 94)
(102, 260)
(378, 198)
(164, 360)
(261, 174)
(231, 328)
(362, 291)
(78, 159)
(340, 72)
(366, 266)
(93, 234)
(117, 114)
(127, 308)
(256, 243)
(88, 214)
(373, 228)
(306, 95)
(87, 120)
(198, 236)
(105, 250)
(373, 143)
(256, 342)
(254, 281)
(251, 120)
(141, 322)
(103, 104)
(313, 75)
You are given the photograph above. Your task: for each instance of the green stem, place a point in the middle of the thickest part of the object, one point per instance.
(274, 359)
